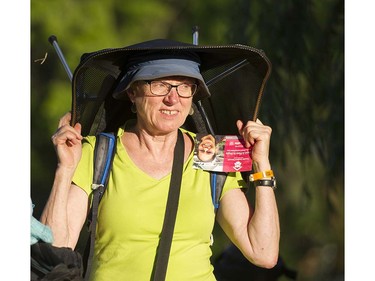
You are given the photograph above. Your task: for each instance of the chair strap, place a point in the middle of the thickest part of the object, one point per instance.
(162, 256)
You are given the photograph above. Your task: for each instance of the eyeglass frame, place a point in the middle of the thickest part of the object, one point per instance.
(171, 87)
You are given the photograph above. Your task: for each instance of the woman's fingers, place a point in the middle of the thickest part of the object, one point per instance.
(257, 135)
(66, 134)
(65, 119)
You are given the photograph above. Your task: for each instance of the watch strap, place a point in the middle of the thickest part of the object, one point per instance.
(266, 182)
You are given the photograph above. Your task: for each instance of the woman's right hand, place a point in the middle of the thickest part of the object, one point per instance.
(67, 142)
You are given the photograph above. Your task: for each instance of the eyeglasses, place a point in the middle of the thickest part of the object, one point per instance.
(160, 88)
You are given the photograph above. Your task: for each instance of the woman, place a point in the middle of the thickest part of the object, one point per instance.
(132, 210)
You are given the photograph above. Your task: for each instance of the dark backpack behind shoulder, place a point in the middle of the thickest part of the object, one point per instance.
(49, 263)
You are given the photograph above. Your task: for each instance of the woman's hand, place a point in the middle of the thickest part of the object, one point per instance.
(67, 142)
(258, 136)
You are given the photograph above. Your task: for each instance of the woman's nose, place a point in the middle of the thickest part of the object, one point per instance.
(172, 97)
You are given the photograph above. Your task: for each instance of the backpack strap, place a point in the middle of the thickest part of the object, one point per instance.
(105, 146)
(202, 124)
(103, 155)
(163, 250)
(217, 180)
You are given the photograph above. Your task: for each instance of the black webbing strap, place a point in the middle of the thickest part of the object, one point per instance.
(89, 250)
(162, 256)
(103, 154)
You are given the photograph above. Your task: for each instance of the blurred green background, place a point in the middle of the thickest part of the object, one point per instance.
(303, 101)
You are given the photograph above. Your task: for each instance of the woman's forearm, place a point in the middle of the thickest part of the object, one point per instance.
(264, 228)
(55, 213)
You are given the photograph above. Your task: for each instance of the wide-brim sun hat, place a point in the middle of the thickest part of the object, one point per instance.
(231, 79)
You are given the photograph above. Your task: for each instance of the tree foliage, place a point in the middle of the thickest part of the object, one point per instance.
(303, 102)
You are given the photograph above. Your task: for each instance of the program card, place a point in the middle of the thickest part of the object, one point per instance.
(221, 153)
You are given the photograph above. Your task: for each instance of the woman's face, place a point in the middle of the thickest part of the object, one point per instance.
(160, 115)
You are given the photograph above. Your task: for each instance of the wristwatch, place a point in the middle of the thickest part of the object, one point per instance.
(266, 182)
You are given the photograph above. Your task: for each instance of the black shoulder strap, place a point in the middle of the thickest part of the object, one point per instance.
(162, 256)
(105, 146)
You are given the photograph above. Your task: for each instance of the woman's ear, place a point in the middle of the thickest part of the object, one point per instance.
(131, 94)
